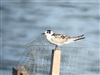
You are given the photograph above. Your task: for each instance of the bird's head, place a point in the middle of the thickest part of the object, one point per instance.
(48, 33)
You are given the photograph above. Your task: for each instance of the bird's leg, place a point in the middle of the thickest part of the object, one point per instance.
(56, 47)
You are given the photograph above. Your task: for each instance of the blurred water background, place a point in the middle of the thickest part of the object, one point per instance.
(23, 21)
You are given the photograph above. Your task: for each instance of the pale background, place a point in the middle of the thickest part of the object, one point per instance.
(23, 21)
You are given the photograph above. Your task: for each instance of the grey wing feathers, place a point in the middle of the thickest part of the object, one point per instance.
(65, 37)
(79, 37)
(61, 36)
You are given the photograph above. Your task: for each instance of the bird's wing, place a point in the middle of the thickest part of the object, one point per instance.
(59, 38)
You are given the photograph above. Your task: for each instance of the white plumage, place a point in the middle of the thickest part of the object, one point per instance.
(60, 39)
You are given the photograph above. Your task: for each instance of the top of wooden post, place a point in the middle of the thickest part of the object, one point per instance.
(21, 70)
(56, 57)
(56, 48)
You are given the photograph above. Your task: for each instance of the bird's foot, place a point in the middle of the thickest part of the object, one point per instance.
(56, 47)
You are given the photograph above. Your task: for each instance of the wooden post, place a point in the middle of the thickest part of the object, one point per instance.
(20, 70)
(14, 71)
(55, 63)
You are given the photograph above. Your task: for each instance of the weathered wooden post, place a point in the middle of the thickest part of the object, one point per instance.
(55, 62)
(20, 70)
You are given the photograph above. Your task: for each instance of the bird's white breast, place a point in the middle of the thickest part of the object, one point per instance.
(49, 38)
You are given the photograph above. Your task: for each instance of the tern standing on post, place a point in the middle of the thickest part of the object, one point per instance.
(60, 39)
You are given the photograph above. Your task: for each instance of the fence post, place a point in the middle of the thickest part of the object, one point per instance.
(55, 62)
(20, 70)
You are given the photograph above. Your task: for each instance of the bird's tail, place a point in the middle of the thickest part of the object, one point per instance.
(79, 37)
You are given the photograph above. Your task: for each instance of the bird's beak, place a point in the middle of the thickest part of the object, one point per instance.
(43, 33)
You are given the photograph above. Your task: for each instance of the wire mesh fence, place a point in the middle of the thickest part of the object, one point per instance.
(74, 60)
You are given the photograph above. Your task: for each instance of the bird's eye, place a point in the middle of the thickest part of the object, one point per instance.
(49, 31)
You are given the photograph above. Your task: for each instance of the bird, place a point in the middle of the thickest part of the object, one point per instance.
(60, 39)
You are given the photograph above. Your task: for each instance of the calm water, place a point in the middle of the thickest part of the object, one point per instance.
(22, 23)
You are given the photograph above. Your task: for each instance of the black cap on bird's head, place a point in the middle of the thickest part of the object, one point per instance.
(48, 32)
